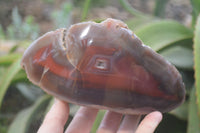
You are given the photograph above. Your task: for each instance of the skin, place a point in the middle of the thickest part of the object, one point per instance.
(85, 117)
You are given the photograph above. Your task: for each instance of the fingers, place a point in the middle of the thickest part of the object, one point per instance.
(82, 121)
(129, 124)
(110, 123)
(56, 118)
(149, 123)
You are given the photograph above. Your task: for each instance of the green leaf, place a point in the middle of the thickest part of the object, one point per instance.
(193, 119)
(196, 10)
(8, 76)
(163, 33)
(8, 59)
(24, 118)
(179, 56)
(2, 70)
(98, 120)
(20, 77)
(137, 22)
(197, 60)
(131, 10)
(85, 9)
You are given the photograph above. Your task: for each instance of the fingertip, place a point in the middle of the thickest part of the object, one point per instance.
(150, 122)
(156, 116)
(56, 118)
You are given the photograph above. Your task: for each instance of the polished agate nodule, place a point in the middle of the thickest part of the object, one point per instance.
(103, 65)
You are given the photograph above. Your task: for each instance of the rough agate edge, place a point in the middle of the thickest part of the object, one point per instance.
(103, 65)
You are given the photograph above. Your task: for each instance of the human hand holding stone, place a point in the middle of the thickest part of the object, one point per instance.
(83, 121)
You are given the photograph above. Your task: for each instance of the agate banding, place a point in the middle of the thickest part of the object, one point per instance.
(103, 65)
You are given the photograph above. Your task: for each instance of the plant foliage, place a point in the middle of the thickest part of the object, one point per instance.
(177, 43)
(20, 29)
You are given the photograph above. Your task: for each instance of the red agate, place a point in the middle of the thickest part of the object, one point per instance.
(103, 65)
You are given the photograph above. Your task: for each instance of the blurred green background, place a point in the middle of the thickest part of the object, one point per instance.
(170, 27)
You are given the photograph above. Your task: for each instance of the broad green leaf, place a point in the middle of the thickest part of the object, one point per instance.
(24, 118)
(2, 70)
(98, 120)
(137, 22)
(179, 56)
(20, 77)
(196, 10)
(163, 33)
(193, 119)
(197, 60)
(8, 75)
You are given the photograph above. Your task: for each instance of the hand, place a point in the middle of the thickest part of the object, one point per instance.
(83, 120)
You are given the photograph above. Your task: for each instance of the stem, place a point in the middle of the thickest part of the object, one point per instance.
(85, 9)
(131, 10)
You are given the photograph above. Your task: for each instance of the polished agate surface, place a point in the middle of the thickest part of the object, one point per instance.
(103, 65)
